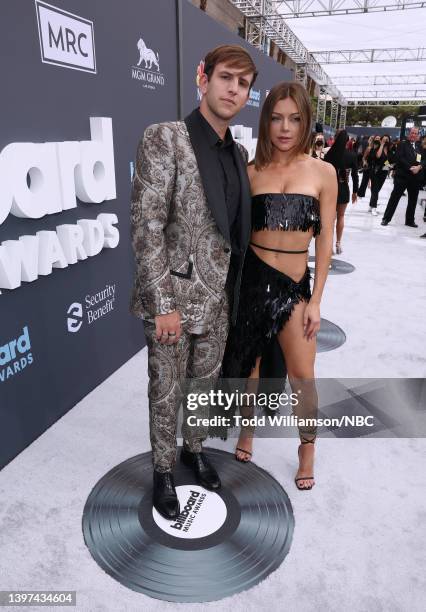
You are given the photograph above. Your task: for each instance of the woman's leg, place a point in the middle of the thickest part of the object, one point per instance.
(364, 183)
(374, 191)
(381, 181)
(300, 359)
(340, 222)
(244, 446)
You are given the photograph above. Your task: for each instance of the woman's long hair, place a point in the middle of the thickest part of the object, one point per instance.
(336, 153)
(281, 91)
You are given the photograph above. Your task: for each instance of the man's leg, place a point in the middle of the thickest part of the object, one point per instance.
(204, 365)
(395, 196)
(413, 194)
(167, 366)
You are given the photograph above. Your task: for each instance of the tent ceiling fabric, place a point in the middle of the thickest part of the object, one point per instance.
(376, 30)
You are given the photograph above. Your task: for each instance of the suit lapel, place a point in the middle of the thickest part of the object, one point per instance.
(245, 199)
(412, 152)
(211, 178)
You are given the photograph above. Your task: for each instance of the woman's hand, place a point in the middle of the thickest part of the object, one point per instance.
(311, 320)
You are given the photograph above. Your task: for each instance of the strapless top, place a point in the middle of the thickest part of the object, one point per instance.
(286, 211)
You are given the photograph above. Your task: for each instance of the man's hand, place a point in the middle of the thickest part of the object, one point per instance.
(415, 169)
(168, 327)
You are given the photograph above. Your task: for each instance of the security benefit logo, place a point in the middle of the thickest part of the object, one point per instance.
(66, 39)
(94, 307)
(15, 355)
(43, 179)
(202, 513)
(147, 70)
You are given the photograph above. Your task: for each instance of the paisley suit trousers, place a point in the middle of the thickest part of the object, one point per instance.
(173, 371)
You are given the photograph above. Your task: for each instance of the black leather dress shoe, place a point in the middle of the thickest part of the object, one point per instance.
(384, 222)
(204, 472)
(164, 496)
(411, 225)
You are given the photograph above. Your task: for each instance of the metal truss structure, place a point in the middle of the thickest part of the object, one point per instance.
(334, 113)
(292, 9)
(387, 94)
(263, 23)
(301, 74)
(342, 118)
(321, 105)
(402, 102)
(391, 79)
(358, 56)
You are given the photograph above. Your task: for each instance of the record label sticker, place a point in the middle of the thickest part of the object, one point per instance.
(202, 513)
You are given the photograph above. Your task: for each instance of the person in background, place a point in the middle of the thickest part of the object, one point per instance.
(366, 160)
(379, 164)
(344, 162)
(409, 175)
(423, 154)
(317, 146)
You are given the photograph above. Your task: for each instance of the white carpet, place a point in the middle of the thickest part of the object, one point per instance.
(359, 538)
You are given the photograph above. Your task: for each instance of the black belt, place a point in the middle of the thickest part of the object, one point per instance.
(276, 250)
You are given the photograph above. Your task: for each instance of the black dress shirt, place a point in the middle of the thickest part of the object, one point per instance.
(229, 173)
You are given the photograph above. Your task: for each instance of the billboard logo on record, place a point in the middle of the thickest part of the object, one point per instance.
(66, 39)
(202, 513)
(147, 70)
(15, 355)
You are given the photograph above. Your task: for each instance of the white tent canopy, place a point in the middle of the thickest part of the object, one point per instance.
(378, 30)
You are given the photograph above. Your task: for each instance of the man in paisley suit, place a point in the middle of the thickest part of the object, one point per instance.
(190, 215)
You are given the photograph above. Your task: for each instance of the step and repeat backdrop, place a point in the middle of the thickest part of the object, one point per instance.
(80, 83)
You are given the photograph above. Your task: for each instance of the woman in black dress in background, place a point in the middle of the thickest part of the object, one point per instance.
(293, 200)
(345, 163)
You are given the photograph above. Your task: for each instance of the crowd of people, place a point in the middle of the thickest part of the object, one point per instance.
(376, 157)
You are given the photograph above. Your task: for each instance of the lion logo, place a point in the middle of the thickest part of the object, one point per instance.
(148, 56)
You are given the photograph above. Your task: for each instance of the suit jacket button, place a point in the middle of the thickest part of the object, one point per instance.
(226, 249)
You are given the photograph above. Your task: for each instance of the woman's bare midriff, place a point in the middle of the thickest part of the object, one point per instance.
(291, 264)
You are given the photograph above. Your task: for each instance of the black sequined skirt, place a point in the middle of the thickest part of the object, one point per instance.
(267, 299)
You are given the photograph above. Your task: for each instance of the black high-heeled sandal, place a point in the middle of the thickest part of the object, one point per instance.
(243, 451)
(296, 480)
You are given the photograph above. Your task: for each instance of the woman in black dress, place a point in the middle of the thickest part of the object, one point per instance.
(344, 162)
(293, 200)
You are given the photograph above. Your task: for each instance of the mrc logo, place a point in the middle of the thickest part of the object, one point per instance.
(66, 39)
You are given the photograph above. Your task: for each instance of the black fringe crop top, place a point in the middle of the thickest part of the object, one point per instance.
(286, 211)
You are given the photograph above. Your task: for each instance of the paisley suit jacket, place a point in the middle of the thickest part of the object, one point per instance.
(179, 226)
